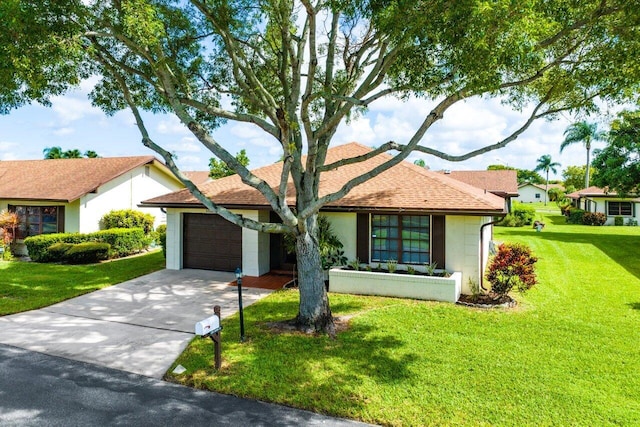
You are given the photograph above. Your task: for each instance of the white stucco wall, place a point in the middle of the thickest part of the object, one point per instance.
(527, 194)
(125, 192)
(345, 226)
(255, 246)
(462, 250)
(600, 205)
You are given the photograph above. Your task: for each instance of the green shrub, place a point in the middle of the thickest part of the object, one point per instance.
(38, 246)
(509, 221)
(565, 206)
(127, 218)
(521, 214)
(57, 251)
(512, 267)
(87, 253)
(618, 221)
(525, 213)
(594, 218)
(162, 238)
(123, 241)
(575, 216)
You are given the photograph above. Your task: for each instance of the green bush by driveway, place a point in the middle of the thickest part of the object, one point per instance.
(569, 354)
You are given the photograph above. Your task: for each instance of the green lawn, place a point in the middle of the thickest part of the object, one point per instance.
(29, 285)
(569, 354)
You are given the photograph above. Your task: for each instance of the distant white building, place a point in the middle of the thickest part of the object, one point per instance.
(531, 193)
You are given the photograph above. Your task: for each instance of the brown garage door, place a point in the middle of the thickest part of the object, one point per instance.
(211, 243)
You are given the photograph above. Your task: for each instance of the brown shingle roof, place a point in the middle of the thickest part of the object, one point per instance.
(197, 177)
(63, 180)
(403, 187)
(500, 182)
(596, 192)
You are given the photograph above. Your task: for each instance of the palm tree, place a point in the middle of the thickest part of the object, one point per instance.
(91, 154)
(586, 133)
(546, 164)
(72, 154)
(52, 153)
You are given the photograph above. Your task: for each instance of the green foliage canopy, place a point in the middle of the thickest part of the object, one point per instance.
(574, 176)
(219, 169)
(618, 164)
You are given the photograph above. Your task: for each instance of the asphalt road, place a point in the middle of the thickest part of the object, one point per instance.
(42, 390)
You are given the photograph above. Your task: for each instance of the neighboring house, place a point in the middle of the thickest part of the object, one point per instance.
(594, 199)
(503, 183)
(531, 193)
(71, 195)
(406, 213)
(197, 177)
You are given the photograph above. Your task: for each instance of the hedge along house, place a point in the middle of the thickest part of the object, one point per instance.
(594, 199)
(72, 195)
(407, 214)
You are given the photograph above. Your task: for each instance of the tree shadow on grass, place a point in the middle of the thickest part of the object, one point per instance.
(622, 249)
(634, 305)
(292, 367)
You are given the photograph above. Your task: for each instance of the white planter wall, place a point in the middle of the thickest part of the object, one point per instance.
(396, 285)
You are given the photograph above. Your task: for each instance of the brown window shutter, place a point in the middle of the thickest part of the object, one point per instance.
(362, 244)
(60, 219)
(438, 240)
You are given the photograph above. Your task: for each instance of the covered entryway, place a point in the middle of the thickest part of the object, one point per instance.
(210, 242)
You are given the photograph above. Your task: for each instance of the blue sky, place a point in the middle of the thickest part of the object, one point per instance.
(71, 122)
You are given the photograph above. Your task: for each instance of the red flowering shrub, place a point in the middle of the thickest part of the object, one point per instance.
(512, 267)
(8, 225)
(594, 218)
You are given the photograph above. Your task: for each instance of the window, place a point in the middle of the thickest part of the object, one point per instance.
(404, 238)
(537, 195)
(619, 208)
(34, 220)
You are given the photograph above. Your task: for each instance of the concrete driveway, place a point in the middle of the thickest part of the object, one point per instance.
(139, 326)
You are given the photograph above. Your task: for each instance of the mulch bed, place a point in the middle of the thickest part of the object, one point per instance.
(487, 301)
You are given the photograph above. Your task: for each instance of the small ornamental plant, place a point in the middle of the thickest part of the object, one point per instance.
(512, 267)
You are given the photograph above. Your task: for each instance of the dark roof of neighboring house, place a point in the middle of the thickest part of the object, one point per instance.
(63, 180)
(597, 192)
(404, 187)
(501, 182)
(197, 177)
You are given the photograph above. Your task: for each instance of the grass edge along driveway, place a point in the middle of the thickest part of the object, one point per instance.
(30, 285)
(569, 354)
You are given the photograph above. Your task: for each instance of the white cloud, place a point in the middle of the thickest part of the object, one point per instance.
(64, 131)
(172, 125)
(186, 145)
(8, 150)
(71, 108)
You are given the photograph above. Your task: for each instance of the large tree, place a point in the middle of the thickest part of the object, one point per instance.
(546, 164)
(574, 177)
(618, 164)
(219, 169)
(585, 133)
(297, 69)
